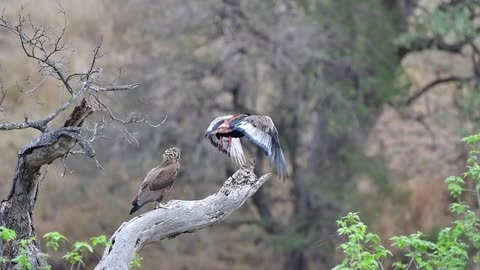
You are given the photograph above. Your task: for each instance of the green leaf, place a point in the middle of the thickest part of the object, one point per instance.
(136, 262)
(458, 208)
(472, 139)
(100, 240)
(82, 246)
(73, 257)
(54, 239)
(7, 234)
(22, 260)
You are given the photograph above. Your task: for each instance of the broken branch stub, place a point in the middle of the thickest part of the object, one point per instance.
(180, 217)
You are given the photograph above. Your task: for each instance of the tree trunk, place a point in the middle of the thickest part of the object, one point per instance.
(295, 260)
(300, 221)
(16, 211)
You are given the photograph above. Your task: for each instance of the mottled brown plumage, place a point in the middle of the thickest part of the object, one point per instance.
(159, 180)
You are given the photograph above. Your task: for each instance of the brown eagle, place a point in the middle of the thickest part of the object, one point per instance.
(225, 132)
(159, 180)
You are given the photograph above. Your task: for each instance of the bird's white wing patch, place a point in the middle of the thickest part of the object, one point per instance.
(236, 151)
(257, 136)
(218, 119)
(232, 148)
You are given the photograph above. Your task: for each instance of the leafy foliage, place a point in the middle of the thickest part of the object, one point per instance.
(7, 234)
(136, 262)
(363, 249)
(75, 256)
(450, 248)
(100, 240)
(22, 259)
(54, 239)
(453, 21)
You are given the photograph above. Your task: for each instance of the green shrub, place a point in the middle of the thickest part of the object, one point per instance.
(450, 248)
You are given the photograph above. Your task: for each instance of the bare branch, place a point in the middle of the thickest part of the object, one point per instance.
(114, 88)
(45, 45)
(4, 92)
(34, 88)
(178, 217)
(16, 209)
(87, 75)
(133, 117)
(429, 86)
(40, 46)
(42, 123)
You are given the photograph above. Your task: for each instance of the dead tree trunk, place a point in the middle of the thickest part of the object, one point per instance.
(17, 209)
(180, 217)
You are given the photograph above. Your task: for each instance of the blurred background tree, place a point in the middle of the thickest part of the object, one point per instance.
(344, 82)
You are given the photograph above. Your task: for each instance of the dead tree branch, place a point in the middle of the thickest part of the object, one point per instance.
(42, 123)
(47, 47)
(180, 217)
(17, 209)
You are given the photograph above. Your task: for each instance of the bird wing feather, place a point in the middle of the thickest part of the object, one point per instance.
(234, 150)
(260, 130)
(161, 178)
(216, 122)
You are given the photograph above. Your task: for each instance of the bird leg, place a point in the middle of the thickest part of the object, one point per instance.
(229, 141)
(220, 144)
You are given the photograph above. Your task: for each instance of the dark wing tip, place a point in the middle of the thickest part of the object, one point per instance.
(278, 160)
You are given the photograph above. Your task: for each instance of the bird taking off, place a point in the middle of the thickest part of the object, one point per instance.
(225, 132)
(159, 180)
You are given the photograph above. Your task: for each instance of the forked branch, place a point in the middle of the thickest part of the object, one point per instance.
(180, 217)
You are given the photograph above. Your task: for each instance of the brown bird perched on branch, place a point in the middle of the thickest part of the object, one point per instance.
(225, 132)
(159, 180)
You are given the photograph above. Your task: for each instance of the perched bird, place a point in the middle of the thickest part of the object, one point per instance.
(158, 180)
(225, 132)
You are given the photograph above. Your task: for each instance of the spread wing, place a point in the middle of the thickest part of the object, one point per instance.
(233, 148)
(260, 130)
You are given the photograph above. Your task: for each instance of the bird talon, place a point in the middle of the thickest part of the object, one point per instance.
(162, 206)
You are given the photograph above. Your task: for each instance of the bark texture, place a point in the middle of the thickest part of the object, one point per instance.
(180, 217)
(17, 209)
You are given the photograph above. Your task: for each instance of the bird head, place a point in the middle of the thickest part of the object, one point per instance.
(172, 154)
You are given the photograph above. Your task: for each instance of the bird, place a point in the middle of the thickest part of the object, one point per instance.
(225, 132)
(159, 180)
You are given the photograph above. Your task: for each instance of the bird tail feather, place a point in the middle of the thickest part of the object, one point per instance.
(135, 207)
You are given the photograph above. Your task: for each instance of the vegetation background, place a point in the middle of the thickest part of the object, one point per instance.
(371, 99)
